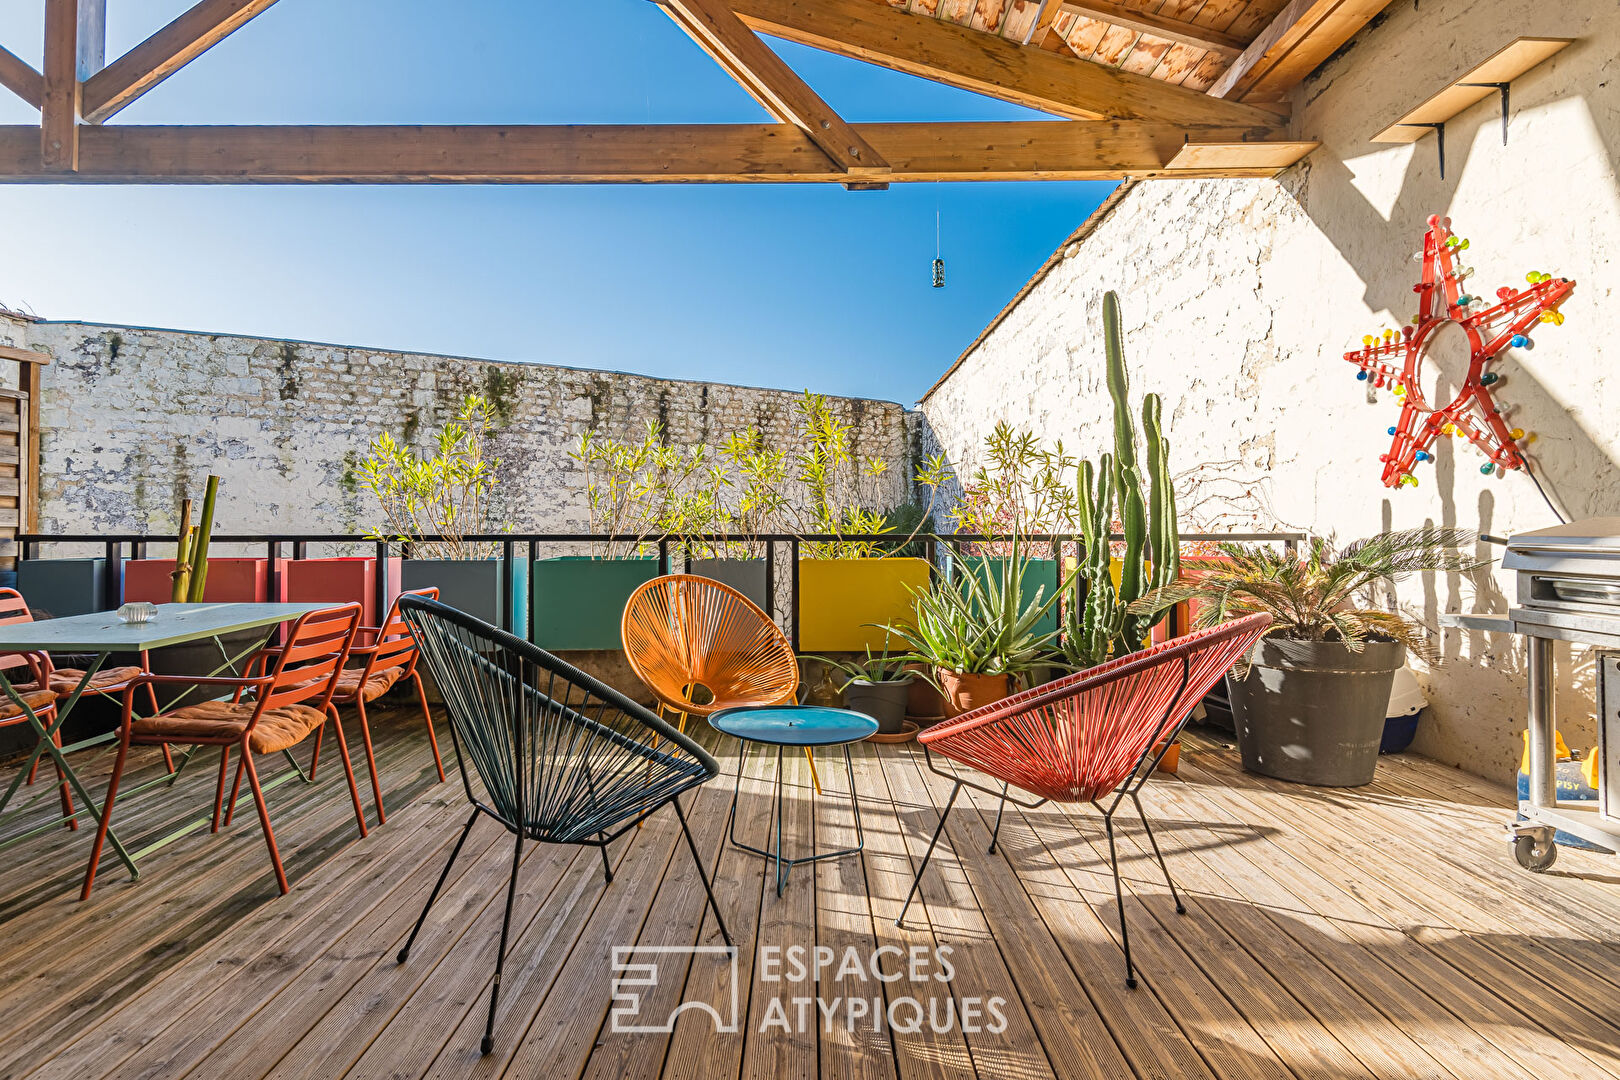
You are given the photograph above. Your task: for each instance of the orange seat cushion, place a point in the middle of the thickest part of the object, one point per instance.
(36, 699)
(349, 688)
(63, 680)
(277, 729)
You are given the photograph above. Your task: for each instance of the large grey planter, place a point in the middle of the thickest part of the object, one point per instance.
(62, 587)
(884, 702)
(1313, 711)
(474, 586)
(747, 576)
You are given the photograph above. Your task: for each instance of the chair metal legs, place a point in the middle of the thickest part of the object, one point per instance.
(940, 828)
(1001, 808)
(1181, 909)
(1119, 900)
(500, 957)
(488, 1042)
(703, 875)
(444, 875)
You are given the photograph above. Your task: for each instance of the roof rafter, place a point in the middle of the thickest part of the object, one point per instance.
(961, 57)
(192, 33)
(1162, 26)
(19, 76)
(667, 153)
(1304, 33)
(766, 76)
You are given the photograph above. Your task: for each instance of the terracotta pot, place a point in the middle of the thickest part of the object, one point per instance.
(964, 693)
(924, 703)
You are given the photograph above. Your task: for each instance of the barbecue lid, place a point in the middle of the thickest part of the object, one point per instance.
(1602, 532)
(1576, 542)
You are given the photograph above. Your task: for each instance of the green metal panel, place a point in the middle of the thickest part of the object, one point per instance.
(579, 602)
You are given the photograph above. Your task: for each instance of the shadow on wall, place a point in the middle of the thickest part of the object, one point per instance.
(1569, 458)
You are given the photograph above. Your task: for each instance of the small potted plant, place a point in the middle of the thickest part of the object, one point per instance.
(978, 633)
(878, 686)
(1310, 699)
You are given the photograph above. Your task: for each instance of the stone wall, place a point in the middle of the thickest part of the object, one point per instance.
(133, 417)
(1240, 298)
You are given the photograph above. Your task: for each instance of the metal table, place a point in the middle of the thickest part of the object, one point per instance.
(103, 634)
(798, 726)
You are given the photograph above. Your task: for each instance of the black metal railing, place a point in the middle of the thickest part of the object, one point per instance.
(276, 545)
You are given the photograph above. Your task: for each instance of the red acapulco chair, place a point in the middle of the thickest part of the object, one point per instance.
(1084, 737)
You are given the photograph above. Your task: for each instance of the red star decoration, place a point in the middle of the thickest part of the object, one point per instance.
(1473, 413)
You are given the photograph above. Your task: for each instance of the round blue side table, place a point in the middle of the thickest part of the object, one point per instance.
(799, 726)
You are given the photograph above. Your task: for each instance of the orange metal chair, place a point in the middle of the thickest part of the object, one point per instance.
(291, 701)
(390, 655)
(32, 690)
(61, 682)
(701, 646)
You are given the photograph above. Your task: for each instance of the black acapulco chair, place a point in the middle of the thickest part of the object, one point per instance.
(563, 758)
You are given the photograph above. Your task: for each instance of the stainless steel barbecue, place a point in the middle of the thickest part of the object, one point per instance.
(1568, 589)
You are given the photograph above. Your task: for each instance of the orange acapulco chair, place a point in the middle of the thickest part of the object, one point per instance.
(389, 653)
(1096, 733)
(267, 713)
(701, 646)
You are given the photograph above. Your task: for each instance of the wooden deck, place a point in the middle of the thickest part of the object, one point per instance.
(1383, 932)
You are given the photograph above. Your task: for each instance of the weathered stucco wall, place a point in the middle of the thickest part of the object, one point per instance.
(1240, 298)
(132, 417)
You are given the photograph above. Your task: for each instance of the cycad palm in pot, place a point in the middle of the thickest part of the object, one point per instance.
(1309, 700)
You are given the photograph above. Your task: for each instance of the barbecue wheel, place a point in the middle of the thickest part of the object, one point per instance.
(1534, 854)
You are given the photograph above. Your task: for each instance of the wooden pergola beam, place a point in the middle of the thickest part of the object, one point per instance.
(777, 87)
(19, 76)
(191, 34)
(986, 64)
(60, 103)
(1304, 33)
(1162, 26)
(697, 153)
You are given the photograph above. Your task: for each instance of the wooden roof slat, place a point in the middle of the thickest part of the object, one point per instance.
(984, 63)
(1159, 25)
(718, 31)
(664, 153)
(187, 37)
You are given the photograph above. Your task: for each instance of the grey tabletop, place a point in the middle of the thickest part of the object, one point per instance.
(104, 632)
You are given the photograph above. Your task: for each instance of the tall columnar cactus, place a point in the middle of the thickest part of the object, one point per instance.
(1098, 622)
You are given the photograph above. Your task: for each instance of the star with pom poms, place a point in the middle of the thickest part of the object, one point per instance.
(1473, 414)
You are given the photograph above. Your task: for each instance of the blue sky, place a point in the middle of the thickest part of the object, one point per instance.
(784, 285)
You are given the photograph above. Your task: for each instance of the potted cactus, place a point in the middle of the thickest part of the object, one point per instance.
(1099, 620)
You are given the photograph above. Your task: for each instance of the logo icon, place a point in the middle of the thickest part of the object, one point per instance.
(637, 971)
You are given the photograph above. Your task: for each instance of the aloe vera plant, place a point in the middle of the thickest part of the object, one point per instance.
(1099, 620)
(981, 623)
